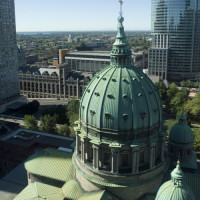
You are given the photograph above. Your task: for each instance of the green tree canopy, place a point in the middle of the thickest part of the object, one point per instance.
(60, 111)
(196, 139)
(162, 89)
(177, 102)
(192, 108)
(30, 108)
(30, 122)
(188, 84)
(172, 90)
(48, 123)
(73, 111)
(64, 130)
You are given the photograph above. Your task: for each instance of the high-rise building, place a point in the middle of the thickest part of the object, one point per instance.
(175, 52)
(9, 82)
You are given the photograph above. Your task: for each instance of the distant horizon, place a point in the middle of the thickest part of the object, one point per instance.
(80, 16)
(81, 31)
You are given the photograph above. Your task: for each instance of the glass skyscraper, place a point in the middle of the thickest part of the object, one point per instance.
(9, 82)
(175, 52)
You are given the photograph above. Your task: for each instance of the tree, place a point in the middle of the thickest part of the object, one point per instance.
(172, 90)
(177, 102)
(196, 139)
(188, 84)
(30, 122)
(192, 108)
(73, 111)
(60, 111)
(30, 108)
(64, 130)
(48, 123)
(162, 89)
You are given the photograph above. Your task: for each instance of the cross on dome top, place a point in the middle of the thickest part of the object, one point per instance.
(121, 3)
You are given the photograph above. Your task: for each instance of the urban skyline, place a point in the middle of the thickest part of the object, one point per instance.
(61, 16)
(9, 80)
(174, 55)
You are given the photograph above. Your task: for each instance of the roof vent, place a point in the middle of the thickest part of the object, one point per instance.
(97, 94)
(114, 80)
(125, 116)
(107, 115)
(110, 96)
(125, 96)
(104, 78)
(143, 115)
(92, 112)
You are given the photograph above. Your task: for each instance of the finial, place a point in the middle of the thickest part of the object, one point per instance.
(177, 175)
(121, 3)
(178, 163)
(182, 118)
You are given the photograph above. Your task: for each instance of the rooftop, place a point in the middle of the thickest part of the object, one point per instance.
(27, 138)
(90, 54)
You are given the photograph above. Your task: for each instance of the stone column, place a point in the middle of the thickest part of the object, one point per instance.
(77, 143)
(114, 160)
(77, 89)
(43, 89)
(152, 157)
(137, 161)
(82, 152)
(83, 149)
(163, 151)
(95, 156)
(134, 161)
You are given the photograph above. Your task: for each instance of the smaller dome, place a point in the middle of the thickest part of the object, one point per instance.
(175, 189)
(181, 133)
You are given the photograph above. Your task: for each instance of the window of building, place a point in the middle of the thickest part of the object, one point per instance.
(124, 160)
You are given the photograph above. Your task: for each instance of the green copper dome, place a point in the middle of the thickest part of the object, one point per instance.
(175, 189)
(181, 133)
(121, 98)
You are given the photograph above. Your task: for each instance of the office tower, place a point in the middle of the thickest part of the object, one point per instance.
(175, 52)
(9, 83)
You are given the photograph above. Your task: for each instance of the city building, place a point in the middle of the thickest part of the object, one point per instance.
(175, 51)
(140, 59)
(31, 59)
(88, 61)
(50, 82)
(9, 80)
(21, 56)
(62, 53)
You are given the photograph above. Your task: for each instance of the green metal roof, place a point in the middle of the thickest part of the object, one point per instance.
(99, 195)
(51, 163)
(193, 181)
(72, 190)
(131, 103)
(40, 191)
(176, 188)
(121, 97)
(181, 133)
(190, 164)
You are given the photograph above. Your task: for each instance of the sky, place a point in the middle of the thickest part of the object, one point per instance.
(80, 15)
